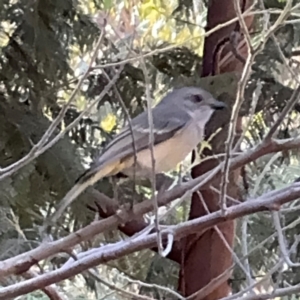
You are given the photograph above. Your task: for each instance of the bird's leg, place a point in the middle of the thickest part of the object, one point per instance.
(115, 188)
(136, 191)
(127, 206)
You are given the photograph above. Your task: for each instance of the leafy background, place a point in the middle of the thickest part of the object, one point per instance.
(45, 45)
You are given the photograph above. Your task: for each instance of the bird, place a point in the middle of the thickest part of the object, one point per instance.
(178, 123)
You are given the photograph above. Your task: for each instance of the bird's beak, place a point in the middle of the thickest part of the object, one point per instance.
(217, 105)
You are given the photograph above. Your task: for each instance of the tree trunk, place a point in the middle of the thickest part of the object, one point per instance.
(206, 256)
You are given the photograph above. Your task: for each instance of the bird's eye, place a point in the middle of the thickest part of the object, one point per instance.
(197, 98)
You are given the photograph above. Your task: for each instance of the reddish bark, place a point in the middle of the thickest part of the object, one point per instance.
(205, 256)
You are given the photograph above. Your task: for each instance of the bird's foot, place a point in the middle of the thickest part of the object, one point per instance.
(125, 213)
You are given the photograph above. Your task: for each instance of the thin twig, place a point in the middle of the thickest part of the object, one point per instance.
(248, 12)
(211, 286)
(25, 260)
(281, 241)
(241, 19)
(241, 90)
(38, 148)
(232, 127)
(68, 128)
(215, 282)
(125, 110)
(255, 98)
(233, 200)
(237, 105)
(221, 235)
(151, 147)
(263, 173)
(121, 291)
(154, 286)
(129, 48)
(284, 59)
(268, 275)
(31, 156)
(288, 107)
(112, 252)
(245, 249)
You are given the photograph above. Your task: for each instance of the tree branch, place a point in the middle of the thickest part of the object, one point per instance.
(117, 250)
(24, 261)
(40, 147)
(50, 291)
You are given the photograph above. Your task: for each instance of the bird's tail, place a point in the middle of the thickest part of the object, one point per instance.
(88, 178)
(76, 190)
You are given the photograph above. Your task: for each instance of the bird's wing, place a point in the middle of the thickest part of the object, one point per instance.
(167, 123)
(168, 120)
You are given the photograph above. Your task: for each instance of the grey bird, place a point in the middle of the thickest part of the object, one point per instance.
(178, 126)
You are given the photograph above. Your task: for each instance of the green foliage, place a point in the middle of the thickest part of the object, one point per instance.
(39, 38)
(41, 43)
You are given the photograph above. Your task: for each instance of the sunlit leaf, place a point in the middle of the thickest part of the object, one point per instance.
(109, 122)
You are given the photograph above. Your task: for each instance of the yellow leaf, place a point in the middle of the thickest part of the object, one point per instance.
(183, 35)
(151, 11)
(165, 33)
(81, 102)
(109, 122)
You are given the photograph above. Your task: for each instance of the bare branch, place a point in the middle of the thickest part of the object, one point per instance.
(237, 105)
(153, 285)
(24, 261)
(221, 235)
(288, 107)
(274, 198)
(151, 146)
(50, 291)
(38, 149)
(256, 95)
(277, 266)
(282, 241)
(241, 90)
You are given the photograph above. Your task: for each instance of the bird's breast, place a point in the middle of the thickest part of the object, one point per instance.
(170, 153)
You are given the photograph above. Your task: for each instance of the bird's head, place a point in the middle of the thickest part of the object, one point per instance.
(194, 98)
(196, 101)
